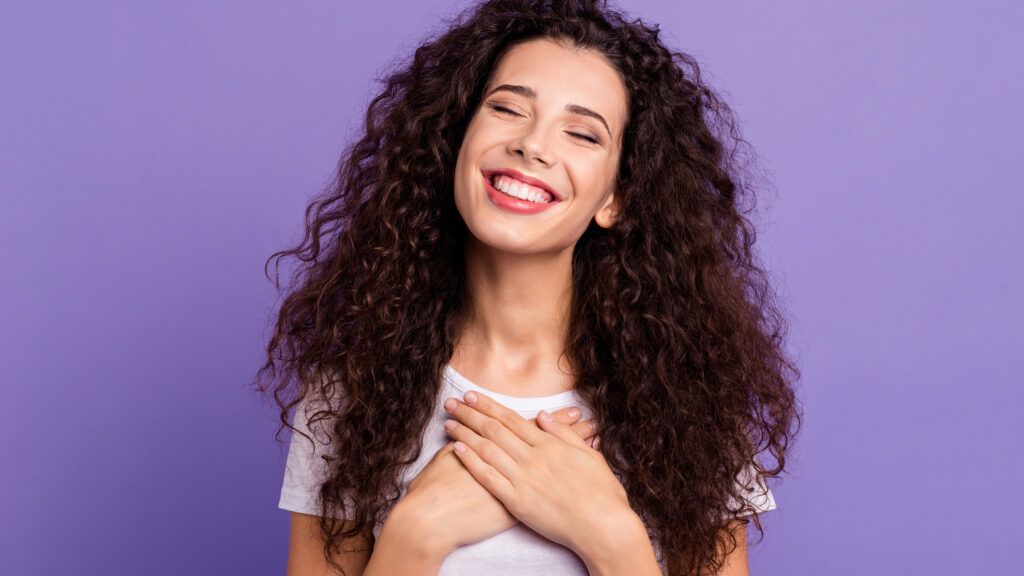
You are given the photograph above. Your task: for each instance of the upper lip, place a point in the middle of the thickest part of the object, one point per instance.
(523, 178)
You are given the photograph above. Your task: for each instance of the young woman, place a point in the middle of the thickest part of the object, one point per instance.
(544, 213)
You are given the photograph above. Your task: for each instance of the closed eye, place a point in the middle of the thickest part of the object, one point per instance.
(503, 110)
(590, 139)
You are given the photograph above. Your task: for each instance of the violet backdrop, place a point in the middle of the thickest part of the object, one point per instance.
(155, 153)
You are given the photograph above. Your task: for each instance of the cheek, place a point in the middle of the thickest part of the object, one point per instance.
(590, 184)
(469, 154)
(474, 134)
(465, 167)
(603, 179)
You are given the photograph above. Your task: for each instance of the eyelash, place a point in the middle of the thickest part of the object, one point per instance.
(501, 109)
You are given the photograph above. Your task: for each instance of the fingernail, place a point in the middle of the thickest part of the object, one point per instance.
(544, 416)
(470, 398)
(574, 413)
(451, 404)
(449, 425)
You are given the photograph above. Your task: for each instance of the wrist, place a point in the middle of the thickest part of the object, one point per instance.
(621, 546)
(393, 554)
(406, 529)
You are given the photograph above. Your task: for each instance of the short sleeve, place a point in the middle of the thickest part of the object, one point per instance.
(758, 495)
(305, 469)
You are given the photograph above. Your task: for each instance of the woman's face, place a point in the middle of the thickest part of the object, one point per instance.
(554, 115)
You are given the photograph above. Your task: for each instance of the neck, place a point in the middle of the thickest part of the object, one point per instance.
(519, 307)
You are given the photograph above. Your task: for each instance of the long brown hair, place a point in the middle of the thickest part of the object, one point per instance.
(675, 335)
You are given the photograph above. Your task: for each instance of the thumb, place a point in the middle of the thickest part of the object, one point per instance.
(559, 429)
(569, 415)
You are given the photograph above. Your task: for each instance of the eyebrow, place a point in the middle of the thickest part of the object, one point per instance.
(571, 108)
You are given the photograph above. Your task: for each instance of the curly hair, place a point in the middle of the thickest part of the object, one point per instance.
(675, 335)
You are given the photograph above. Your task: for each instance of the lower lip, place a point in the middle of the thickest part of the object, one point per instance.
(513, 204)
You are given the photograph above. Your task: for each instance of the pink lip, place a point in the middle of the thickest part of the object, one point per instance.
(511, 203)
(526, 179)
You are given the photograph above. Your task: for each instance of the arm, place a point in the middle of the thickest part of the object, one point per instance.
(736, 561)
(623, 547)
(306, 549)
(402, 549)
(397, 551)
(626, 549)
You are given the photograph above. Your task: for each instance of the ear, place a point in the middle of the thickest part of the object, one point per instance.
(608, 214)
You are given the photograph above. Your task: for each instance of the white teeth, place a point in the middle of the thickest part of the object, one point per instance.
(520, 190)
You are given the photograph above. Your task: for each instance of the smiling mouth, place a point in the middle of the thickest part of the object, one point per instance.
(517, 189)
(523, 186)
(515, 204)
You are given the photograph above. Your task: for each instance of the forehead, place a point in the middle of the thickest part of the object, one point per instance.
(562, 75)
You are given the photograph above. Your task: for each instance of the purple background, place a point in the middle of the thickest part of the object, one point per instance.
(153, 157)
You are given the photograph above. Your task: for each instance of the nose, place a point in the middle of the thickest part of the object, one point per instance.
(532, 146)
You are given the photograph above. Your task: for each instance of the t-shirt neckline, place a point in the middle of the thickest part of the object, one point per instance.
(550, 402)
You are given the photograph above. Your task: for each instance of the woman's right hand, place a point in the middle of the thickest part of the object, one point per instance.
(445, 507)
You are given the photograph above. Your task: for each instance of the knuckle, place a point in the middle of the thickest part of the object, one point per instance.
(544, 442)
(530, 462)
(491, 428)
(488, 451)
(505, 418)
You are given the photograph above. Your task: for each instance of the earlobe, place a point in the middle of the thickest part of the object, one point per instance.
(608, 215)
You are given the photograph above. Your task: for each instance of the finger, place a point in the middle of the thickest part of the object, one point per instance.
(560, 430)
(485, 474)
(491, 419)
(484, 448)
(487, 427)
(569, 414)
(586, 429)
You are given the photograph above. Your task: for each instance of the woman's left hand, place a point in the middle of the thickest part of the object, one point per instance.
(544, 473)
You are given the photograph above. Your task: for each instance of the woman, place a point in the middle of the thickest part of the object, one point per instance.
(544, 211)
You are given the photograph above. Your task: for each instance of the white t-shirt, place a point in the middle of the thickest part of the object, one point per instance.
(517, 551)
